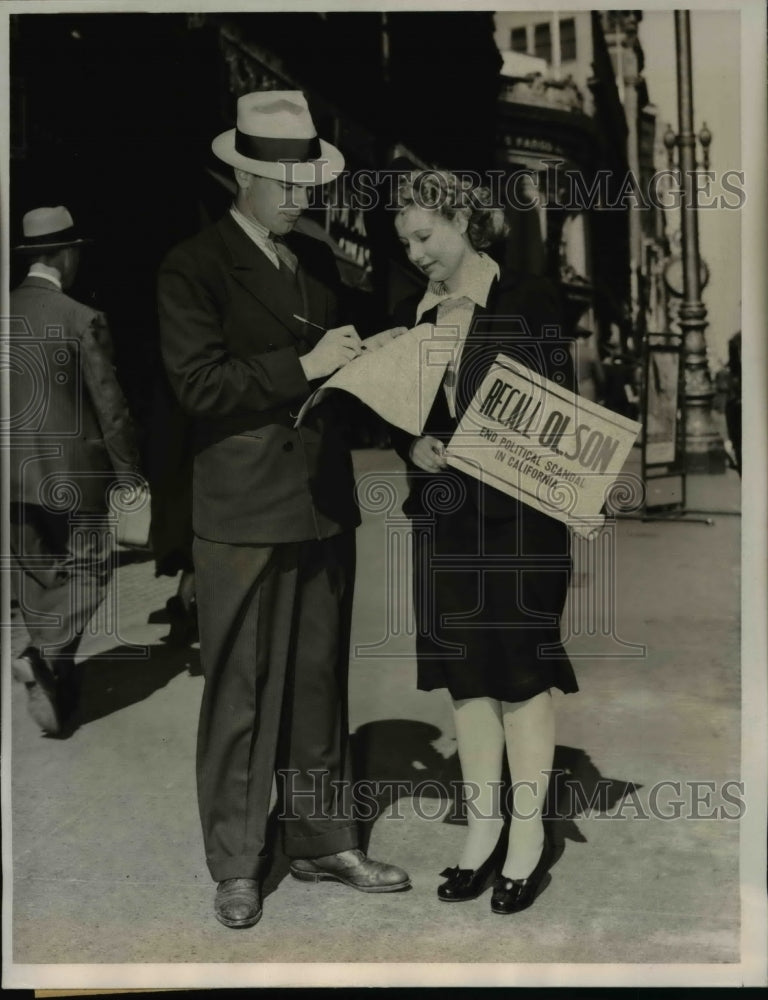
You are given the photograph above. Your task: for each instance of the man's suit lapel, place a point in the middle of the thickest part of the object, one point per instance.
(258, 275)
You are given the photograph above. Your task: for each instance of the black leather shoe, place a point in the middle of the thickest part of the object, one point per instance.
(352, 868)
(511, 895)
(469, 883)
(238, 902)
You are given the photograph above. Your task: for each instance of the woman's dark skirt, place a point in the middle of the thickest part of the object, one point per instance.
(488, 596)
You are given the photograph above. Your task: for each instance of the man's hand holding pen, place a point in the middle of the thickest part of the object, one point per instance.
(338, 347)
(335, 349)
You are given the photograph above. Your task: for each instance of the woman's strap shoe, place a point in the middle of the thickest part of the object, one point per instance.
(468, 883)
(511, 895)
(464, 883)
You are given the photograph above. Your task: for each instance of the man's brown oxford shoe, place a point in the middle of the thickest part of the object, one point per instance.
(238, 902)
(352, 868)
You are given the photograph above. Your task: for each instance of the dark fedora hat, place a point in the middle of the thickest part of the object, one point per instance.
(49, 229)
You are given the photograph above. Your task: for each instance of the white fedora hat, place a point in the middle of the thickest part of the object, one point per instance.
(49, 229)
(275, 137)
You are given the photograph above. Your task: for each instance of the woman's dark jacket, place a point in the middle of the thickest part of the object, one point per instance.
(523, 319)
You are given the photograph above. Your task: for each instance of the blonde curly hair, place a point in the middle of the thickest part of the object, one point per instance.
(452, 195)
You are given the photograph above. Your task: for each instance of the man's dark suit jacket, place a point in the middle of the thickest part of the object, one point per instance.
(231, 348)
(523, 319)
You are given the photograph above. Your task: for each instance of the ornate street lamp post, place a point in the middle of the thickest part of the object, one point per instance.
(703, 445)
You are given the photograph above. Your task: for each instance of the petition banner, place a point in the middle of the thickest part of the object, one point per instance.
(541, 443)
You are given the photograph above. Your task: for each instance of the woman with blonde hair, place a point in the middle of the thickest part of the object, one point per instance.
(490, 573)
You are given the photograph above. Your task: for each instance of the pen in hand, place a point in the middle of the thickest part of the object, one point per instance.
(309, 322)
(317, 326)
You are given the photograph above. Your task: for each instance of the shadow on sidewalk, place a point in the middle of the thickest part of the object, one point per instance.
(117, 678)
(398, 758)
(395, 758)
(577, 788)
(399, 755)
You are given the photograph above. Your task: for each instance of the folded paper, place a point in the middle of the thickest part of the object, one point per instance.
(398, 381)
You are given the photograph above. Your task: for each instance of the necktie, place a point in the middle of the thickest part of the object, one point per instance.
(287, 257)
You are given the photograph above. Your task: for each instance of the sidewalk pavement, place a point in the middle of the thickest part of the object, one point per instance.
(108, 858)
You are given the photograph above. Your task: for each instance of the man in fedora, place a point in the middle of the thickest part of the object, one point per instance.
(70, 436)
(249, 324)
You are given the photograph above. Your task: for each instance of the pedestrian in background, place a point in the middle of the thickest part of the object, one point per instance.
(490, 573)
(590, 376)
(249, 325)
(71, 436)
